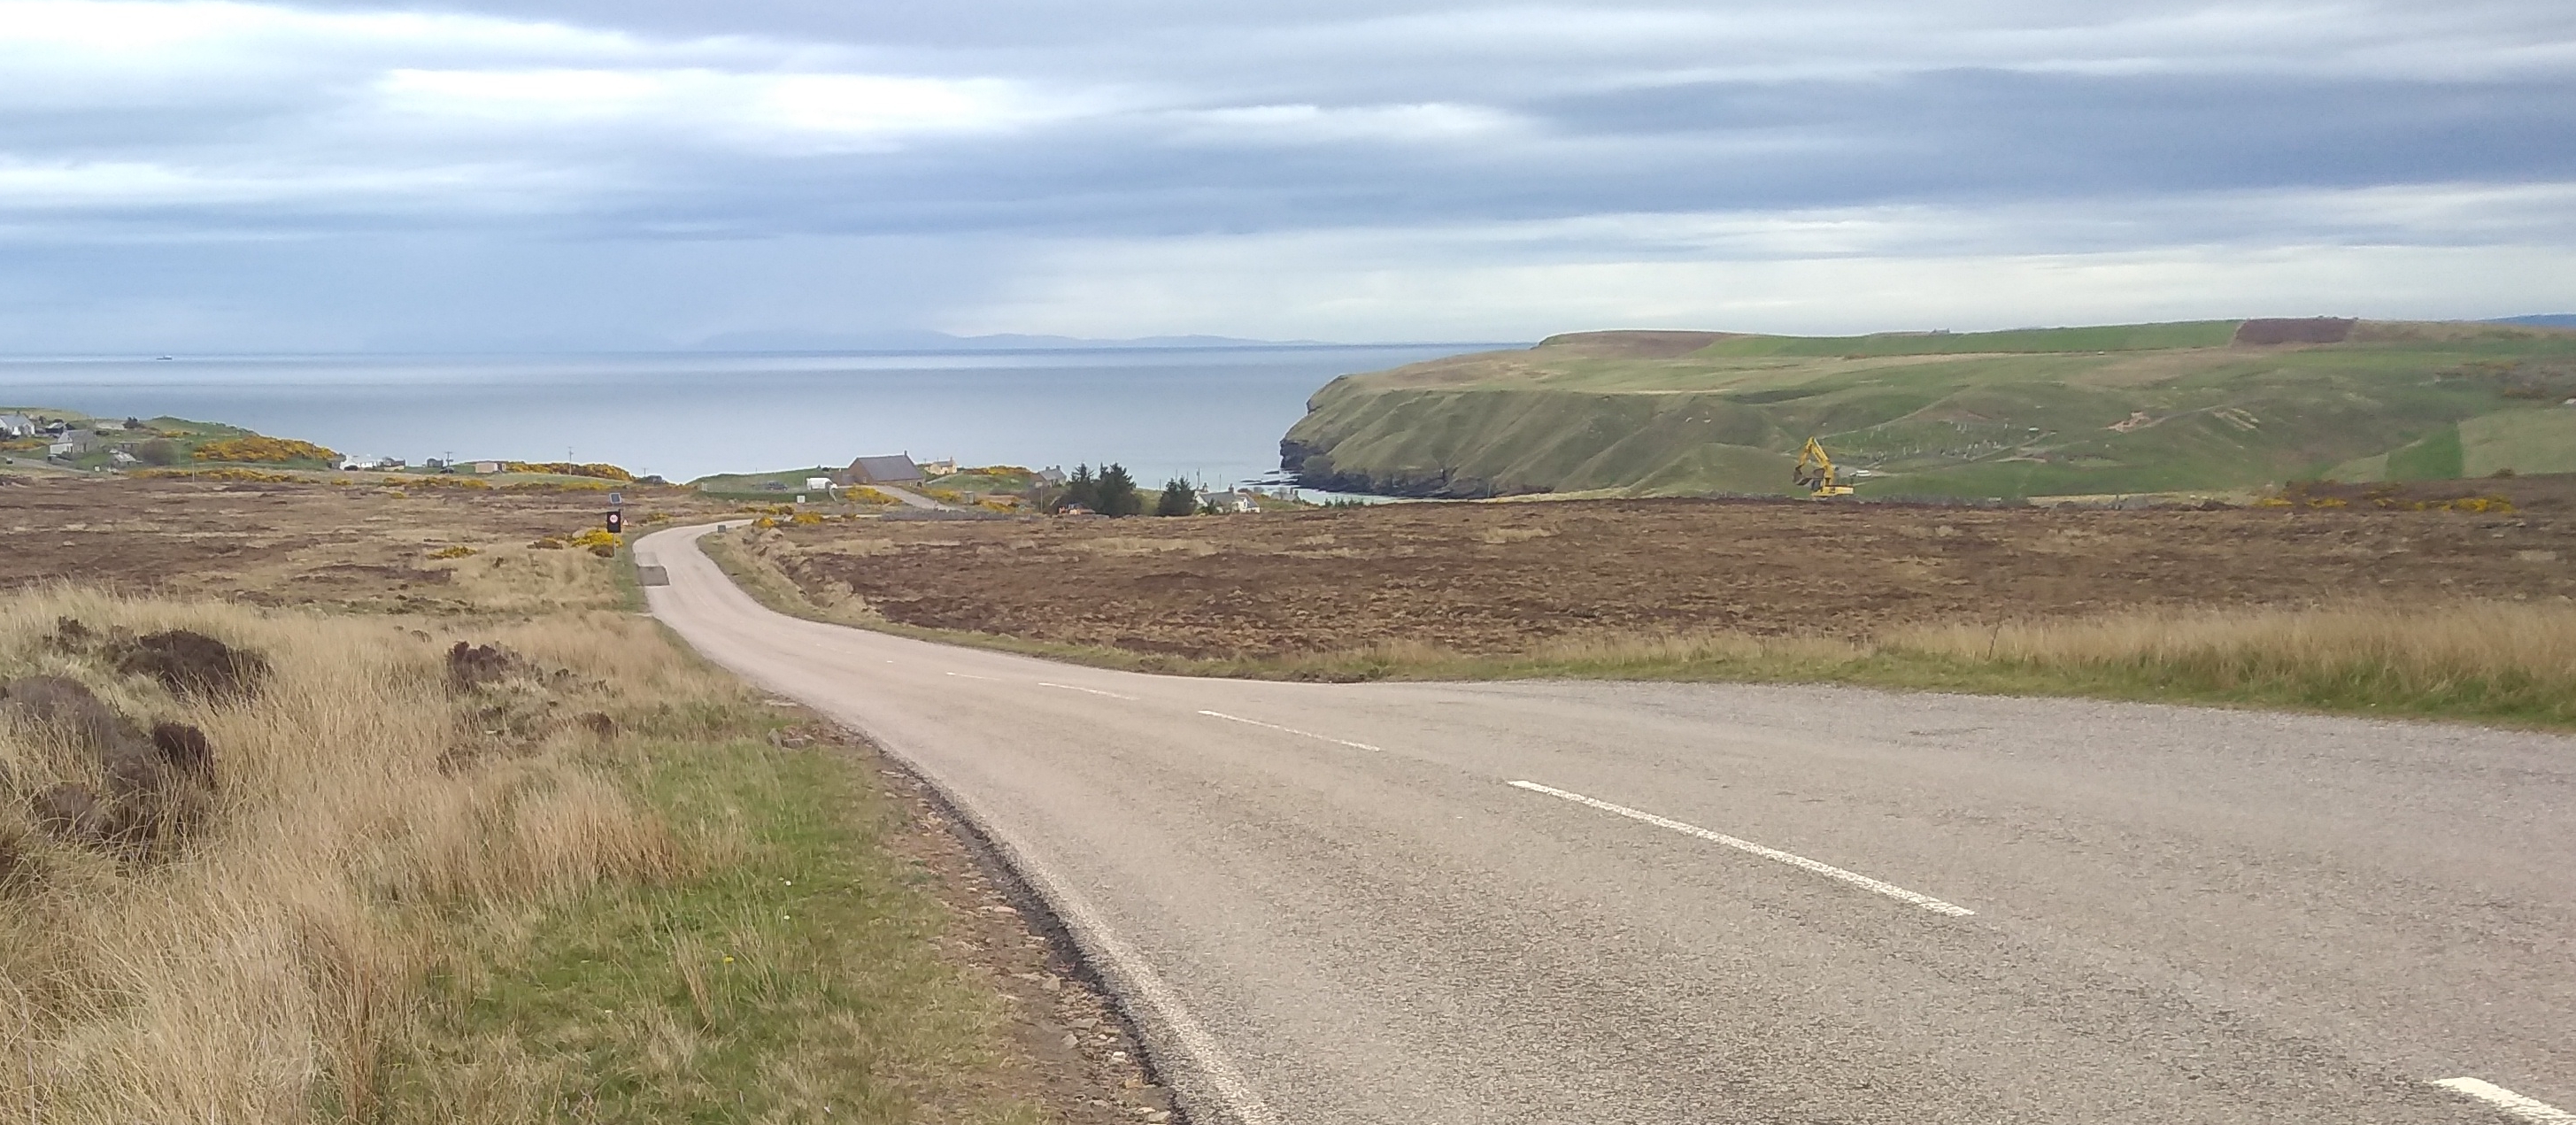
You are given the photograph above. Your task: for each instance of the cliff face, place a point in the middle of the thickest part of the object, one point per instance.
(2139, 408)
(1472, 443)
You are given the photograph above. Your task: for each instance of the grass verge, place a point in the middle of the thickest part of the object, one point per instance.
(792, 982)
(573, 880)
(2499, 662)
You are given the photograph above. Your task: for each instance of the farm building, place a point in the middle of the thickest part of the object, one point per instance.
(1230, 500)
(882, 470)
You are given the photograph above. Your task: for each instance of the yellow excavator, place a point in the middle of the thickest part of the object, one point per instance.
(1815, 473)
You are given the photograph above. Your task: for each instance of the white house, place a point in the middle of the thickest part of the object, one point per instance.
(17, 426)
(1228, 501)
(73, 444)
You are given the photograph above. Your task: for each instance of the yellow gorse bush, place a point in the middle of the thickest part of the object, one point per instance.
(264, 450)
(255, 476)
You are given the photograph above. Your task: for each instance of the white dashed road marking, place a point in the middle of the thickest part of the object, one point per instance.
(1827, 870)
(971, 676)
(2511, 1104)
(1288, 730)
(1094, 691)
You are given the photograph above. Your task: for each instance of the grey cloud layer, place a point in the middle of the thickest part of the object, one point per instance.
(1553, 132)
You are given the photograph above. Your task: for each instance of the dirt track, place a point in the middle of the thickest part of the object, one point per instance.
(1490, 578)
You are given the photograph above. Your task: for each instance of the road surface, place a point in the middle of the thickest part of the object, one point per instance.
(911, 499)
(1574, 903)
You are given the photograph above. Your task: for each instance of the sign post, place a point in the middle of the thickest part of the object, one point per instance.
(617, 513)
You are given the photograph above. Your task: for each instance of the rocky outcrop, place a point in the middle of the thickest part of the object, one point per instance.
(1313, 468)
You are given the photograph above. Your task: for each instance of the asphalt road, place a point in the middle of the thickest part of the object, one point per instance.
(1616, 903)
(912, 499)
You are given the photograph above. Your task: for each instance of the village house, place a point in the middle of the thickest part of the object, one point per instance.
(16, 426)
(74, 444)
(939, 468)
(882, 470)
(1229, 500)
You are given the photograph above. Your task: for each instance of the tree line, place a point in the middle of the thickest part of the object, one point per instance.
(1112, 492)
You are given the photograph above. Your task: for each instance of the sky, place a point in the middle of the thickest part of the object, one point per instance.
(648, 174)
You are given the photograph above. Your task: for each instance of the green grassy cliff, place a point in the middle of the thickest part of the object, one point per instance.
(2209, 405)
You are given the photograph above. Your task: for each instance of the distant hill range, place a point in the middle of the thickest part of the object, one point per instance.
(2208, 405)
(917, 341)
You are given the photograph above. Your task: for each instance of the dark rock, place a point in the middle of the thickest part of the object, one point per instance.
(68, 812)
(17, 861)
(195, 664)
(70, 705)
(470, 666)
(184, 749)
(70, 635)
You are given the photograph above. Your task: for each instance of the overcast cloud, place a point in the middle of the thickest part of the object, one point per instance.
(248, 176)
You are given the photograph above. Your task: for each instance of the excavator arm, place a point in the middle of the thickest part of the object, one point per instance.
(1815, 472)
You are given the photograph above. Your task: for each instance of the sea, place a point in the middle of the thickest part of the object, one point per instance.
(1209, 415)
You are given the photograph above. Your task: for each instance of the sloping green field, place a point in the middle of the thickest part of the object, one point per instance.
(2117, 409)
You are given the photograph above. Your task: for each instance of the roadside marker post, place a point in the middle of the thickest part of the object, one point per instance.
(617, 513)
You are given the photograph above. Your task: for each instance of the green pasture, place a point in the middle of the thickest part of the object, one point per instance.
(2118, 409)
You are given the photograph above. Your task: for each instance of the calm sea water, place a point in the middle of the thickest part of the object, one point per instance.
(1211, 414)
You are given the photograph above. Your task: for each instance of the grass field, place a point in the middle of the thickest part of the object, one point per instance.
(594, 879)
(2497, 662)
(2524, 441)
(2344, 606)
(2122, 409)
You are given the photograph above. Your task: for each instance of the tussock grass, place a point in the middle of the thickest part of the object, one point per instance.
(591, 891)
(523, 580)
(2489, 659)
(268, 966)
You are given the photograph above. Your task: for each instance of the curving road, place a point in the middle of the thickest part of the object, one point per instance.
(1630, 903)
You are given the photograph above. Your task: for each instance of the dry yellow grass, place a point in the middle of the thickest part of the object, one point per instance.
(365, 811)
(2500, 660)
(2373, 651)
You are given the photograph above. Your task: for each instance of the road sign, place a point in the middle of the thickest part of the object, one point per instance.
(616, 522)
(616, 499)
